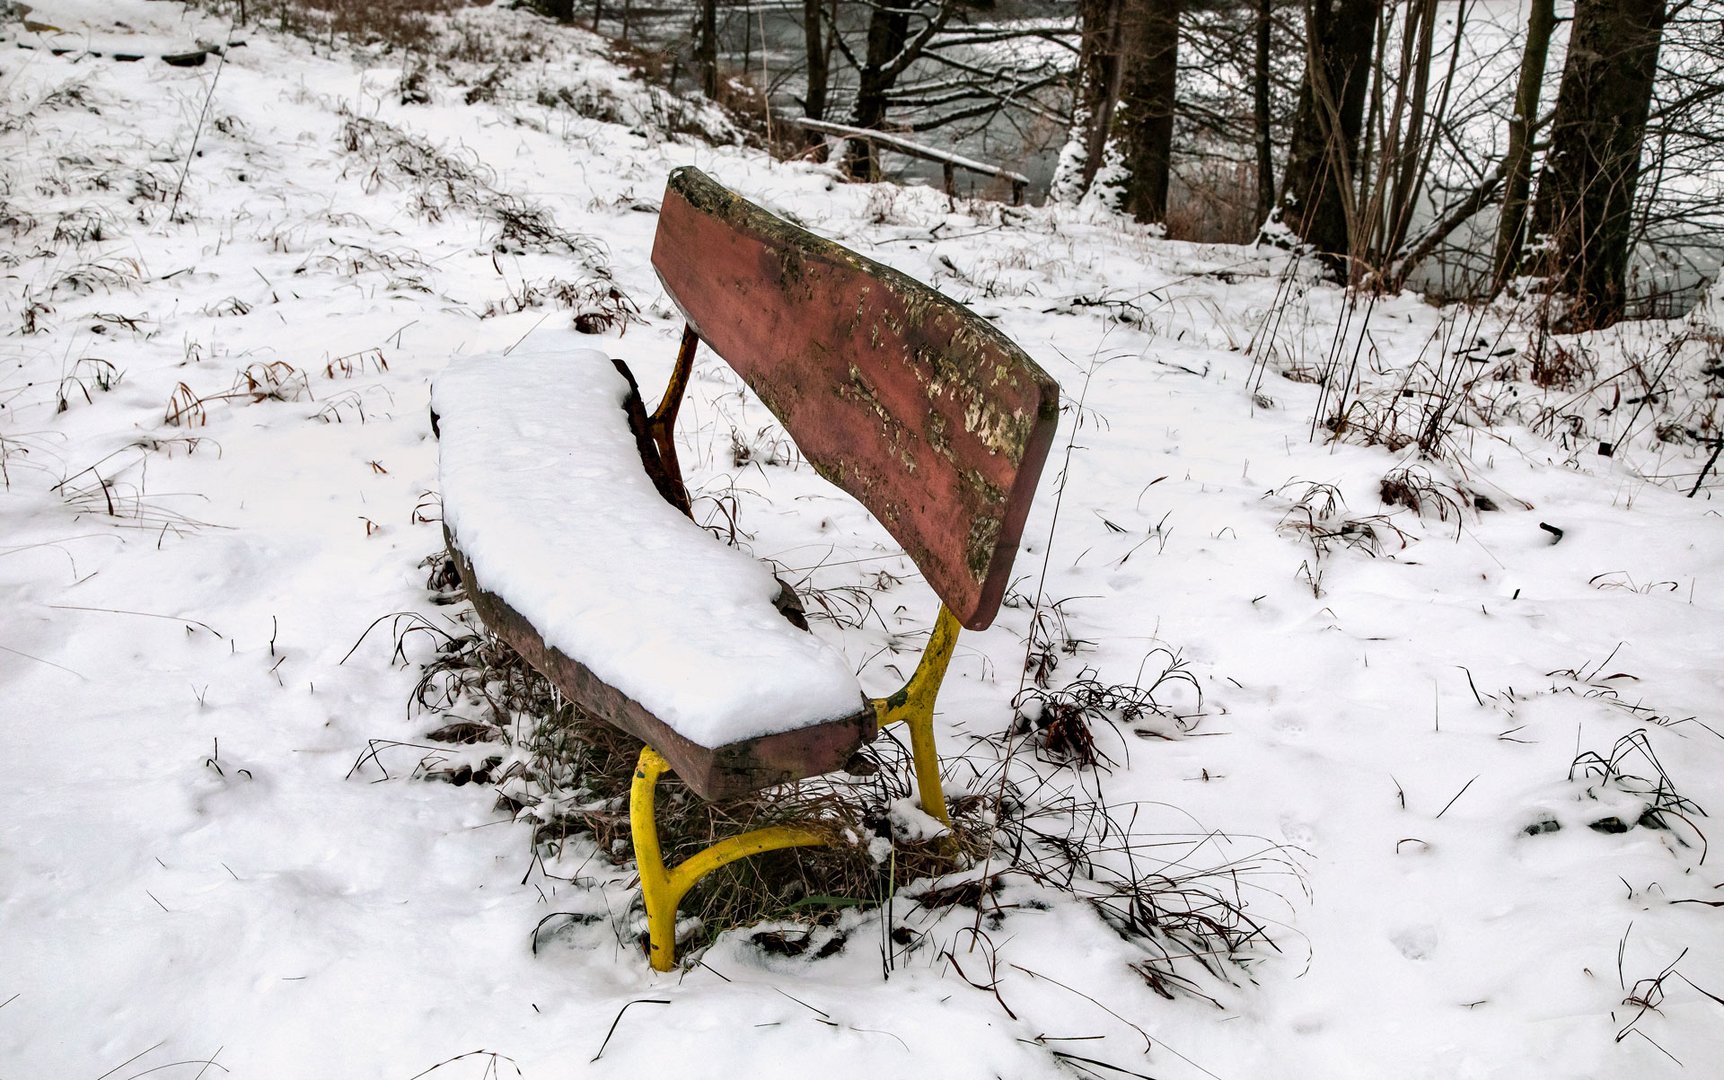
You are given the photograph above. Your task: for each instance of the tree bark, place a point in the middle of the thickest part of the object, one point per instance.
(1316, 203)
(706, 48)
(1517, 168)
(888, 32)
(1143, 124)
(819, 66)
(1260, 119)
(1581, 221)
(1093, 99)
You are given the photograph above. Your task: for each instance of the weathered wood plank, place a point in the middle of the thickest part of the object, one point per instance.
(945, 158)
(719, 772)
(918, 407)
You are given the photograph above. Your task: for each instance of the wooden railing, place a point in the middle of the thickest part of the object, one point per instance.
(949, 162)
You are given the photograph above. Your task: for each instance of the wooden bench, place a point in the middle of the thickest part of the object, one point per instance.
(565, 511)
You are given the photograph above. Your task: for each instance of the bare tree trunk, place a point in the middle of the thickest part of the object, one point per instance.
(888, 32)
(747, 37)
(1585, 201)
(1408, 181)
(1143, 125)
(891, 50)
(1093, 99)
(1366, 187)
(1260, 130)
(819, 59)
(1316, 193)
(1517, 170)
(819, 67)
(706, 48)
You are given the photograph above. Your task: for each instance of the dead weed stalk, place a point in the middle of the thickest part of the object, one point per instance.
(1663, 806)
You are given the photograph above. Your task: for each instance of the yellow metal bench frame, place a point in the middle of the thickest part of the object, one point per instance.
(662, 887)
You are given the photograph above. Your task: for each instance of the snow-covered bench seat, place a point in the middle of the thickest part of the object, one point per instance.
(572, 553)
(567, 517)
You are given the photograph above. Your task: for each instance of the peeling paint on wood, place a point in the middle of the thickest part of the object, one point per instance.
(929, 416)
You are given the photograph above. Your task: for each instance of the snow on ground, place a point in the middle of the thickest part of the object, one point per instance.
(1431, 743)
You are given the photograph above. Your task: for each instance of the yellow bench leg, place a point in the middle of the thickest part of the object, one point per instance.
(914, 705)
(662, 889)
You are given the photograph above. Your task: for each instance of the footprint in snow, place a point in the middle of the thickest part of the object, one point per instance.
(1297, 831)
(1309, 1025)
(1416, 942)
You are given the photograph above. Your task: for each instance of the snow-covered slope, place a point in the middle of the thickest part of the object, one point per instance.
(1426, 745)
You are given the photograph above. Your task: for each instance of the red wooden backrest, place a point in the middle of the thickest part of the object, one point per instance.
(908, 400)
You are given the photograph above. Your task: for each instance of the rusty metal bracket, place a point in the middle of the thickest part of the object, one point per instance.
(662, 423)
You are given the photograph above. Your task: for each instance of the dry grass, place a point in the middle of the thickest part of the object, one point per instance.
(1213, 200)
(1183, 896)
(346, 367)
(87, 374)
(24, 451)
(1649, 395)
(406, 25)
(442, 184)
(113, 492)
(275, 380)
(568, 776)
(1061, 724)
(1318, 518)
(1664, 807)
(1559, 367)
(1413, 487)
(598, 304)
